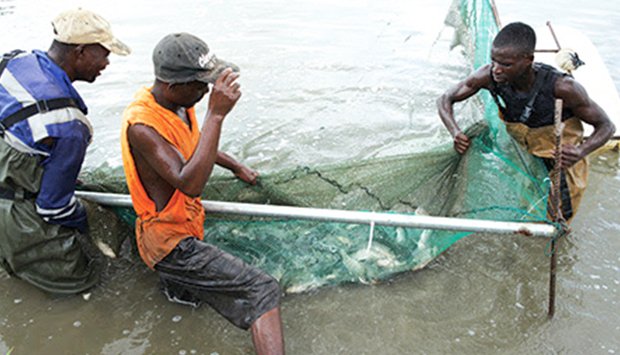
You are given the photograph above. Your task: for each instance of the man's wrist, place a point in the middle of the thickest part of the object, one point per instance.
(217, 117)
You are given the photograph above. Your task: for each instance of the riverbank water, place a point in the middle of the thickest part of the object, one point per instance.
(325, 82)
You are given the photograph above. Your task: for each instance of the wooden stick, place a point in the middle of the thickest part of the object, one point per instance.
(546, 50)
(557, 43)
(556, 210)
(555, 39)
(552, 273)
(496, 14)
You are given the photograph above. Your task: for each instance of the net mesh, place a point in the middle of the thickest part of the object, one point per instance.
(494, 180)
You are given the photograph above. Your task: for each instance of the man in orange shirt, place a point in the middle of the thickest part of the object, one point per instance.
(167, 162)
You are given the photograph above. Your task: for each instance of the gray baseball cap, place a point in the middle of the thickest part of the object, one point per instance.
(182, 57)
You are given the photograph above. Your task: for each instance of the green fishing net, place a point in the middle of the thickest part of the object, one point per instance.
(494, 180)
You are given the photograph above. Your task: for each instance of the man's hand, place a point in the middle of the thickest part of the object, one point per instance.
(570, 155)
(247, 174)
(225, 93)
(461, 143)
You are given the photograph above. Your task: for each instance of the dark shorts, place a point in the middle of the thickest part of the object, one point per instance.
(196, 272)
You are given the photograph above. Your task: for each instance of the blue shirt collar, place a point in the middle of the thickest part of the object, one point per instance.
(51, 67)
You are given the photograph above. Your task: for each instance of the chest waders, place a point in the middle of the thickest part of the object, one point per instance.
(49, 256)
(530, 122)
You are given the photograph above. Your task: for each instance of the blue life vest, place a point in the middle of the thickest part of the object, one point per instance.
(38, 101)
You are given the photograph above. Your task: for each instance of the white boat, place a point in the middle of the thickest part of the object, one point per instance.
(593, 75)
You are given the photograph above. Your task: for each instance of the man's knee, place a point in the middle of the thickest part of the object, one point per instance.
(266, 294)
(273, 288)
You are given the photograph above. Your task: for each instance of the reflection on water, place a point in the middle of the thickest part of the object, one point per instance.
(6, 7)
(346, 91)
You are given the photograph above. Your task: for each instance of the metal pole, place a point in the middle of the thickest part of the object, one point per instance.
(344, 216)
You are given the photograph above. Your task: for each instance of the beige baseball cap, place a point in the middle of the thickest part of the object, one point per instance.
(81, 26)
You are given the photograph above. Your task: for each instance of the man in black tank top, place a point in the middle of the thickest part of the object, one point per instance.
(534, 108)
(525, 93)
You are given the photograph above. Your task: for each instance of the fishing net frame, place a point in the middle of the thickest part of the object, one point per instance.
(494, 180)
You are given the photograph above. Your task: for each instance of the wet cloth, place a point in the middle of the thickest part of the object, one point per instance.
(49, 256)
(158, 232)
(196, 272)
(29, 78)
(536, 133)
(540, 142)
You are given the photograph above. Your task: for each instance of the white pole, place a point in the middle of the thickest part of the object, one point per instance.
(344, 216)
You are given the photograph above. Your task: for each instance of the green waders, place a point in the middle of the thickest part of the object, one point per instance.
(49, 256)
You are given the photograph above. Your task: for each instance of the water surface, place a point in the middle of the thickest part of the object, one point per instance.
(322, 82)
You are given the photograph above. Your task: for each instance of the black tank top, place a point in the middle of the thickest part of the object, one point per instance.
(543, 108)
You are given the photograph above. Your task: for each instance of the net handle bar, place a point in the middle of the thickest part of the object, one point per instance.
(345, 216)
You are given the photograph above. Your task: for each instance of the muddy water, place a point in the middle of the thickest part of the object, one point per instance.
(323, 82)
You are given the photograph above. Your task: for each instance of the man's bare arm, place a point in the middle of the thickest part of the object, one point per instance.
(241, 171)
(480, 79)
(575, 97)
(188, 176)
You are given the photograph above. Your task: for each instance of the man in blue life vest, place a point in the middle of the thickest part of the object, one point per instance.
(44, 133)
(528, 91)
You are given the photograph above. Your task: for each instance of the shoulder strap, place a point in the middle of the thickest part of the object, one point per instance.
(40, 106)
(541, 78)
(6, 57)
(495, 95)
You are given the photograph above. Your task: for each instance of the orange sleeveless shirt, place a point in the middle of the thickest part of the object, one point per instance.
(157, 233)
